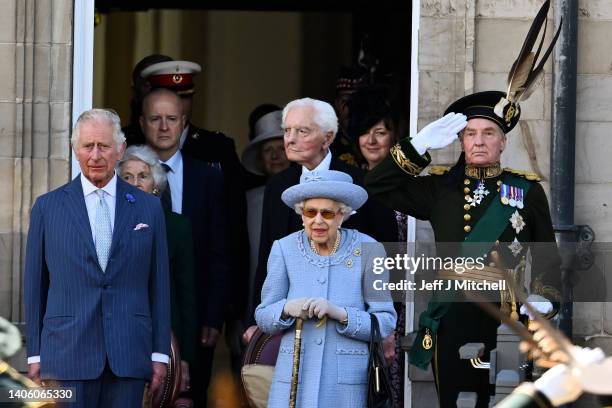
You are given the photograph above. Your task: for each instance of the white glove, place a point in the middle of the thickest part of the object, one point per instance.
(439, 133)
(594, 371)
(321, 307)
(559, 385)
(539, 303)
(10, 339)
(293, 308)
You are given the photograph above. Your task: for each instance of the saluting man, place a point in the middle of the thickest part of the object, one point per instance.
(488, 211)
(475, 201)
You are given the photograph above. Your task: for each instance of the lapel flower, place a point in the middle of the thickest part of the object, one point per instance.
(130, 198)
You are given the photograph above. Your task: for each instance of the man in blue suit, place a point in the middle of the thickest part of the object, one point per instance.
(96, 279)
(195, 190)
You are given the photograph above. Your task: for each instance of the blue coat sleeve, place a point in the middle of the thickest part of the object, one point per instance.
(274, 294)
(36, 279)
(379, 303)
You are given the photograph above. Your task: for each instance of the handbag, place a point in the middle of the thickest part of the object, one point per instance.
(379, 384)
(258, 367)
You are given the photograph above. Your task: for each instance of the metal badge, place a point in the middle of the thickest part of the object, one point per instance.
(427, 340)
(515, 247)
(517, 222)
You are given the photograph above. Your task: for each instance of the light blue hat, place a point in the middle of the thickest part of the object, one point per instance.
(331, 184)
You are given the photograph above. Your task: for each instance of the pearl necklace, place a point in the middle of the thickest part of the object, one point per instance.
(334, 248)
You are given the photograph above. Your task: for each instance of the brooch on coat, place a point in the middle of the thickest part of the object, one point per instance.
(517, 221)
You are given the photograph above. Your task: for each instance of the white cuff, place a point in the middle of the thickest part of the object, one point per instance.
(33, 359)
(419, 144)
(160, 358)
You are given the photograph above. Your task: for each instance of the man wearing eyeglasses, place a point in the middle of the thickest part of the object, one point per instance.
(310, 127)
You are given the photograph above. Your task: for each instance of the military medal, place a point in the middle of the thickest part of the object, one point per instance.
(515, 247)
(427, 340)
(479, 193)
(517, 222)
(519, 203)
(512, 200)
(504, 194)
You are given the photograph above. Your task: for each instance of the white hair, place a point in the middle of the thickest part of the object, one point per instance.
(108, 116)
(344, 209)
(324, 115)
(148, 156)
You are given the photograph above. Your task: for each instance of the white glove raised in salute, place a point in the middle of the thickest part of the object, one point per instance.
(439, 133)
(320, 307)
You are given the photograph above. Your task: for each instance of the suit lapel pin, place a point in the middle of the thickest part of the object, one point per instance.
(517, 221)
(195, 136)
(130, 198)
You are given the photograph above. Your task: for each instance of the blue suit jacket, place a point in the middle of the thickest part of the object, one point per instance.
(77, 316)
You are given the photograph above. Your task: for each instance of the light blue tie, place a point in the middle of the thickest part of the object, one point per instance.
(104, 233)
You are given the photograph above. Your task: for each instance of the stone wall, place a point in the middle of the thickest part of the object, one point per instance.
(35, 103)
(468, 46)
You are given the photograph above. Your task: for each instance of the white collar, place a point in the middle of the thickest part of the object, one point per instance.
(175, 161)
(183, 136)
(110, 188)
(324, 165)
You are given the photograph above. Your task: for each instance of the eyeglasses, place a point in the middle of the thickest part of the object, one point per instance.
(312, 212)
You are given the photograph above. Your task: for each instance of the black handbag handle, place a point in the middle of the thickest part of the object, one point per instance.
(379, 391)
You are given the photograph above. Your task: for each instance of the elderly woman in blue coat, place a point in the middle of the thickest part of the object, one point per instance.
(317, 274)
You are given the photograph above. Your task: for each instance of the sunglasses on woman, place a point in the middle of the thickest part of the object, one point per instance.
(312, 212)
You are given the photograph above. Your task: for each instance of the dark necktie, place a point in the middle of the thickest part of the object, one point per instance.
(166, 197)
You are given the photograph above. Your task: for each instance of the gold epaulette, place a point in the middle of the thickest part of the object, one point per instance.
(525, 174)
(439, 170)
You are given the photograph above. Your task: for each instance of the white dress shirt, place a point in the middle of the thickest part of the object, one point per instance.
(183, 136)
(175, 180)
(324, 165)
(91, 201)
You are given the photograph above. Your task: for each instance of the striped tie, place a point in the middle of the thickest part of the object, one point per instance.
(104, 233)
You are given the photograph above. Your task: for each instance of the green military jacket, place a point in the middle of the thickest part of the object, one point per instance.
(448, 204)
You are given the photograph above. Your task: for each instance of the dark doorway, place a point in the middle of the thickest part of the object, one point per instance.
(296, 52)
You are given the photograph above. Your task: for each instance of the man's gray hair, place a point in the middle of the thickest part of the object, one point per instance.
(99, 115)
(148, 156)
(344, 209)
(325, 116)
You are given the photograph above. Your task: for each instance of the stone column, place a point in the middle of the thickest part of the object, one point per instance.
(35, 103)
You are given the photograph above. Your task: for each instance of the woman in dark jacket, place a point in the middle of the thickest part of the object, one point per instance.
(140, 167)
(373, 125)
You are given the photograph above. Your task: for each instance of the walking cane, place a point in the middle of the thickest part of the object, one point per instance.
(297, 346)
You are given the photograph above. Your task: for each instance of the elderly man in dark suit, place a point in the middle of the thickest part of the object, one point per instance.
(195, 190)
(310, 127)
(96, 279)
